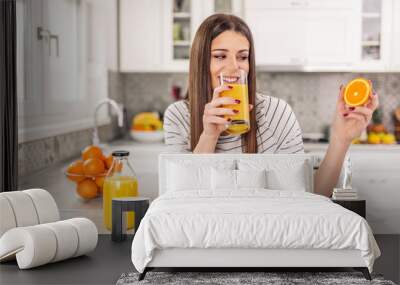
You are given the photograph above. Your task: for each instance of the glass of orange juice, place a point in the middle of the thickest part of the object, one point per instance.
(240, 122)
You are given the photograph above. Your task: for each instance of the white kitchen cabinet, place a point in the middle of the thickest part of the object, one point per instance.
(270, 31)
(305, 35)
(332, 36)
(379, 184)
(155, 35)
(312, 32)
(141, 26)
(181, 26)
(376, 35)
(395, 35)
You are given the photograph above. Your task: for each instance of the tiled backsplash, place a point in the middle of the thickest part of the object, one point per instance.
(311, 95)
(39, 154)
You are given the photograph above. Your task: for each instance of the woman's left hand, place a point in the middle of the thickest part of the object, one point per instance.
(350, 122)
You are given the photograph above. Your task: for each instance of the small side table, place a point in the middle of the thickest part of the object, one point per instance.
(357, 206)
(139, 205)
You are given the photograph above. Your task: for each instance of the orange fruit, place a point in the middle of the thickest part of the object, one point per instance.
(76, 167)
(92, 151)
(99, 180)
(109, 160)
(87, 189)
(93, 166)
(357, 92)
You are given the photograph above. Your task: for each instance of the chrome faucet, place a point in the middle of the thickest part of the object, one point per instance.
(120, 114)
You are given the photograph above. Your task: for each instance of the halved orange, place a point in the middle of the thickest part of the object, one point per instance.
(357, 92)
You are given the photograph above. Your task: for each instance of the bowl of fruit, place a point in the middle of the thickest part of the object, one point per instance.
(89, 172)
(147, 127)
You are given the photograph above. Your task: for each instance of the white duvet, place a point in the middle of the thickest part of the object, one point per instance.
(252, 218)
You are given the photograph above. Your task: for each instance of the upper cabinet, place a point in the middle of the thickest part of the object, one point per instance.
(323, 35)
(394, 57)
(305, 35)
(155, 35)
(377, 35)
(141, 34)
(304, 32)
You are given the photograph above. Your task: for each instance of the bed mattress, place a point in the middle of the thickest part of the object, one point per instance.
(250, 219)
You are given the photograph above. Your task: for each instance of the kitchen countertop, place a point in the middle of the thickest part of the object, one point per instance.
(310, 147)
(144, 158)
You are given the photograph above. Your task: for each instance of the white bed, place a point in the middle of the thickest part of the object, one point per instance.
(225, 216)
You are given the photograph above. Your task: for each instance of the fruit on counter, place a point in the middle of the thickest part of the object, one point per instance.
(87, 189)
(381, 135)
(381, 138)
(147, 121)
(374, 138)
(93, 166)
(92, 151)
(376, 128)
(389, 139)
(76, 168)
(89, 173)
(357, 91)
(377, 125)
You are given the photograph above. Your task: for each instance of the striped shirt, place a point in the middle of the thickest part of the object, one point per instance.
(278, 130)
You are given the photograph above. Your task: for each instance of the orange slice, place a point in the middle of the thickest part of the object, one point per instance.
(357, 92)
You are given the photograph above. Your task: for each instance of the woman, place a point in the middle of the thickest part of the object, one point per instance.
(223, 43)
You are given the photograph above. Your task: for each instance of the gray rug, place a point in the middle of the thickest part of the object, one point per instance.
(273, 278)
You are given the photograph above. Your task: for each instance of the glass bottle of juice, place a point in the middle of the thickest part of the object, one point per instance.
(121, 181)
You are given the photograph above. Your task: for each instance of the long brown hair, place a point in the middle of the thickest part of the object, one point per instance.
(200, 90)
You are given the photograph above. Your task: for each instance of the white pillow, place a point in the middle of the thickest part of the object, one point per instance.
(223, 179)
(251, 178)
(236, 179)
(188, 175)
(282, 174)
(293, 180)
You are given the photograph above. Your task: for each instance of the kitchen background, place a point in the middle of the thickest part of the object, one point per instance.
(74, 54)
(136, 53)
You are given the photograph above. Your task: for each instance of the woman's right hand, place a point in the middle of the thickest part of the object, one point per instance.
(214, 122)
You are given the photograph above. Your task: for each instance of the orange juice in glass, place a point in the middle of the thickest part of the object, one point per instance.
(240, 122)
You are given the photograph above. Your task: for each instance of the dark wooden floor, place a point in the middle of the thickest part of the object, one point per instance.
(110, 259)
(102, 266)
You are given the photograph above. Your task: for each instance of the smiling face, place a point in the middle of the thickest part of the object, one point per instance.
(229, 54)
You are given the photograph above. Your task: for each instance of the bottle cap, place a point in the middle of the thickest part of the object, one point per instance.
(120, 153)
